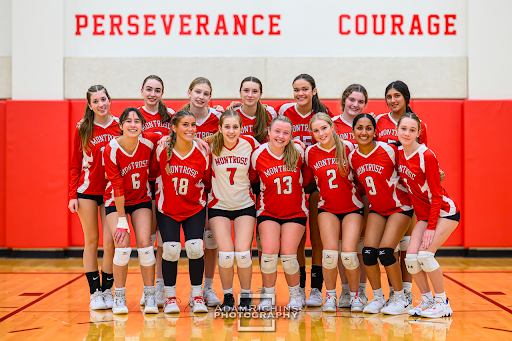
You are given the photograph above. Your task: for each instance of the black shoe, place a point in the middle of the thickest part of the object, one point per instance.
(245, 303)
(229, 303)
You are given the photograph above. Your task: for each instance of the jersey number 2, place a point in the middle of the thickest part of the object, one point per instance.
(287, 180)
(331, 173)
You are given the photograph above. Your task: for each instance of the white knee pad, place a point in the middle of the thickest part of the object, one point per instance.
(411, 261)
(146, 256)
(290, 264)
(397, 248)
(350, 260)
(194, 248)
(268, 263)
(404, 243)
(243, 259)
(427, 261)
(360, 246)
(209, 241)
(172, 251)
(122, 255)
(153, 239)
(258, 243)
(159, 239)
(226, 259)
(339, 246)
(330, 259)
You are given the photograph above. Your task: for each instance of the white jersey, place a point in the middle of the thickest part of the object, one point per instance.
(231, 185)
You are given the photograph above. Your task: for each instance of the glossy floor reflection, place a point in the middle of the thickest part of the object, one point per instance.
(48, 300)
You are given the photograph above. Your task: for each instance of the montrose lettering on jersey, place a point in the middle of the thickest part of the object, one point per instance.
(347, 136)
(134, 165)
(102, 138)
(246, 129)
(277, 169)
(231, 159)
(156, 124)
(300, 127)
(326, 162)
(201, 134)
(370, 167)
(184, 170)
(404, 170)
(385, 132)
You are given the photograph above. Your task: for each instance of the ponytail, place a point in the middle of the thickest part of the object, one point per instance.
(260, 128)
(86, 128)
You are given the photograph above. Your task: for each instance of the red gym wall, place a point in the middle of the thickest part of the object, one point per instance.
(35, 159)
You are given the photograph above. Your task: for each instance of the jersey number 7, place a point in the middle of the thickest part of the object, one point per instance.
(231, 175)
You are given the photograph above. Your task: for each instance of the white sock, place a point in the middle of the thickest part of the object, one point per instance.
(121, 289)
(353, 294)
(399, 293)
(294, 291)
(441, 296)
(407, 286)
(208, 282)
(170, 291)
(427, 297)
(377, 293)
(244, 291)
(270, 291)
(331, 292)
(345, 288)
(149, 287)
(228, 291)
(196, 290)
(159, 282)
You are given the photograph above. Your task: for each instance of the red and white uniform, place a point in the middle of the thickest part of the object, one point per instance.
(128, 173)
(231, 184)
(87, 170)
(420, 173)
(344, 129)
(282, 195)
(300, 122)
(181, 194)
(378, 173)
(338, 194)
(209, 125)
(248, 121)
(386, 129)
(154, 124)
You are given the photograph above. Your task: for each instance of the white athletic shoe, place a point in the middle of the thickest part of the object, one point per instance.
(119, 306)
(302, 292)
(211, 299)
(266, 305)
(391, 294)
(344, 300)
(416, 311)
(142, 299)
(363, 297)
(375, 305)
(198, 305)
(330, 303)
(150, 306)
(108, 298)
(409, 296)
(97, 302)
(315, 298)
(356, 305)
(438, 309)
(295, 303)
(398, 305)
(171, 306)
(160, 296)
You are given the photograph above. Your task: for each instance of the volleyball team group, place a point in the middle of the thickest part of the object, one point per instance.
(368, 185)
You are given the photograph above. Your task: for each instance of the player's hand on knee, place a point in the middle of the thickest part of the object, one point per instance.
(73, 205)
(121, 230)
(428, 237)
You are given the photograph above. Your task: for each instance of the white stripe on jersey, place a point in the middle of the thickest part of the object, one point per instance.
(86, 161)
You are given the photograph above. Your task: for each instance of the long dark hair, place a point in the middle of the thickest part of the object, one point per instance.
(172, 140)
(402, 88)
(86, 129)
(162, 108)
(316, 105)
(126, 112)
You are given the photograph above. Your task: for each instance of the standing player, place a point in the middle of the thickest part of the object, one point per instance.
(231, 200)
(181, 201)
(438, 216)
(397, 98)
(376, 167)
(278, 163)
(127, 168)
(339, 207)
(207, 123)
(86, 189)
(306, 105)
(353, 101)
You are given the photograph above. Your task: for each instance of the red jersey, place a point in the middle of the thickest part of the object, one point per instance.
(209, 125)
(344, 129)
(282, 195)
(386, 129)
(128, 173)
(87, 169)
(248, 121)
(181, 194)
(338, 194)
(378, 173)
(154, 124)
(420, 173)
(300, 122)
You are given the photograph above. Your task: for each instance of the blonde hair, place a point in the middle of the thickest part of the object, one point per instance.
(216, 140)
(172, 135)
(197, 81)
(291, 153)
(341, 153)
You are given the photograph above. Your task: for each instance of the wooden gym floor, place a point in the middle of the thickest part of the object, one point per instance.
(44, 299)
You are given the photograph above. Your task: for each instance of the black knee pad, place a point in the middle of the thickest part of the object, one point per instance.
(386, 256)
(370, 256)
